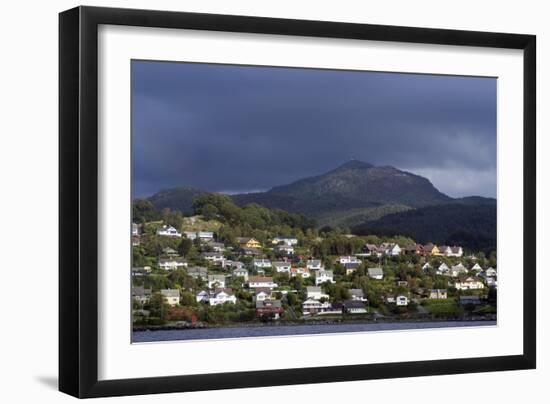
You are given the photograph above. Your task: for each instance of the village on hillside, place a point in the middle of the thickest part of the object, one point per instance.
(186, 276)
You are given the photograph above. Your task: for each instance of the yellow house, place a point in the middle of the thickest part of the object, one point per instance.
(349, 271)
(248, 242)
(171, 296)
(431, 249)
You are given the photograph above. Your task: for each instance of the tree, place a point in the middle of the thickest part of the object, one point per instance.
(187, 298)
(158, 306)
(209, 211)
(144, 211)
(185, 246)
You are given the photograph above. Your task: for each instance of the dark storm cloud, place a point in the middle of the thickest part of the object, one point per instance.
(239, 129)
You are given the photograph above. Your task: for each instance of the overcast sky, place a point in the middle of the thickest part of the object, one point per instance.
(244, 128)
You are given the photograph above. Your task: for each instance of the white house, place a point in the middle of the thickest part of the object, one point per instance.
(171, 296)
(314, 265)
(231, 264)
(191, 235)
(281, 266)
(215, 257)
(322, 276)
(216, 281)
(349, 259)
(289, 241)
(261, 282)
(392, 249)
(167, 230)
(445, 250)
(476, 267)
(491, 282)
(443, 269)
(242, 272)
(205, 235)
(426, 266)
(202, 296)
(456, 251)
(457, 269)
(315, 292)
(402, 300)
(468, 283)
(222, 296)
(261, 263)
(261, 294)
(135, 229)
(284, 249)
(376, 273)
(311, 306)
(490, 272)
(172, 263)
(303, 272)
(354, 307)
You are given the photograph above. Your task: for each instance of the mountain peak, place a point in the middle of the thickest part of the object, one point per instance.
(355, 165)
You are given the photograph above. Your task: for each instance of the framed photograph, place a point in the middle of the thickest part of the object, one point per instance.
(250, 201)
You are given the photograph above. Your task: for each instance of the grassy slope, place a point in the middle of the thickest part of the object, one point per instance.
(197, 223)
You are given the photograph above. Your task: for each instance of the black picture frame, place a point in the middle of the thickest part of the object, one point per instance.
(78, 196)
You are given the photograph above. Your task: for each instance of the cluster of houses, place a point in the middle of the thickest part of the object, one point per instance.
(393, 249)
(463, 278)
(268, 297)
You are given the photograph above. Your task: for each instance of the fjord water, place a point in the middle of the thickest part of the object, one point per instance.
(283, 330)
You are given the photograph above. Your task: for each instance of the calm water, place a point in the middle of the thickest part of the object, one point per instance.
(273, 330)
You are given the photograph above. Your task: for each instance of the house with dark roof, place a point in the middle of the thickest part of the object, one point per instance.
(438, 294)
(215, 246)
(469, 300)
(357, 294)
(351, 267)
(314, 265)
(284, 249)
(250, 251)
(354, 307)
(141, 294)
(370, 250)
(269, 309)
(197, 272)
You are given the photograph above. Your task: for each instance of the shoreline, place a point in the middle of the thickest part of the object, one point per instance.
(316, 322)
